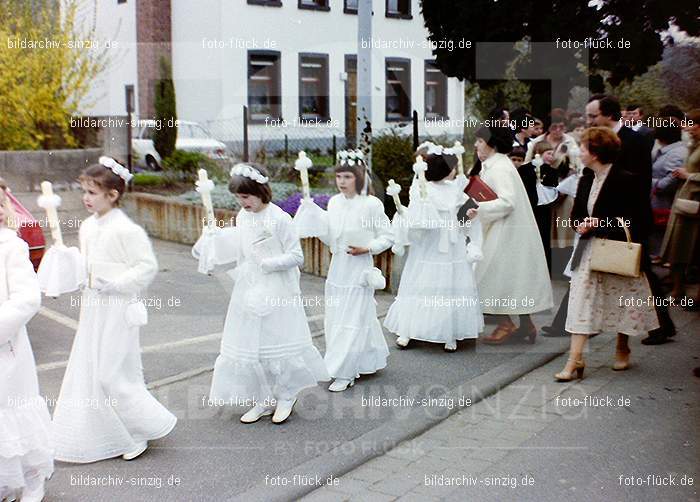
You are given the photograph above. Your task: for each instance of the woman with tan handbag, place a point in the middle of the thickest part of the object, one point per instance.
(609, 292)
(681, 244)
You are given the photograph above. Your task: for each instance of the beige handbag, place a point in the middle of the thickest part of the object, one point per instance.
(687, 207)
(616, 257)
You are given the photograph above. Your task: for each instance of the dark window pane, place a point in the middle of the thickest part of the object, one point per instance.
(435, 91)
(263, 86)
(402, 7)
(398, 90)
(313, 87)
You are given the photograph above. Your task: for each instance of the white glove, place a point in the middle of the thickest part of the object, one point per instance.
(104, 287)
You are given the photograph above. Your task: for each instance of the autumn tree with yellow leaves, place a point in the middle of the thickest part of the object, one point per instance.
(45, 72)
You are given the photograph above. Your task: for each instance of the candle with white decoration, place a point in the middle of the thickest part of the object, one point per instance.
(393, 190)
(419, 169)
(537, 162)
(50, 201)
(302, 164)
(458, 150)
(204, 187)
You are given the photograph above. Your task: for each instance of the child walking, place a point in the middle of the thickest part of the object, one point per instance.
(357, 229)
(267, 356)
(26, 457)
(104, 409)
(437, 299)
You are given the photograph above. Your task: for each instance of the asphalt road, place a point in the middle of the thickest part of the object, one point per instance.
(212, 456)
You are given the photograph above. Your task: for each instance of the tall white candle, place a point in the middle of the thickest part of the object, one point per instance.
(302, 165)
(422, 182)
(394, 190)
(205, 191)
(52, 213)
(459, 151)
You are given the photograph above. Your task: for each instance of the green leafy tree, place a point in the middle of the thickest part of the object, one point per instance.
(392, 158)
(45, 76)
(165, 136)
(640, 22)
(680, 73)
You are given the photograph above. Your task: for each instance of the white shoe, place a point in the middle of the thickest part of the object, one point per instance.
(402, 342)
(34, 494)
(340, 384)
(283, 410)
(451, 346)
(256, 413)
(137, 451)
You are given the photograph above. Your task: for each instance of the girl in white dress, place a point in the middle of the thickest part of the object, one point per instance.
(26, 457)
(104, 409)
(437, 299)
(267, 356)
(357, 228)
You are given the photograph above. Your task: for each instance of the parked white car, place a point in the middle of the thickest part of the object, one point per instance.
(191, 137)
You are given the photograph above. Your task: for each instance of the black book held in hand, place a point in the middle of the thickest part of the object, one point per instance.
(462, 213)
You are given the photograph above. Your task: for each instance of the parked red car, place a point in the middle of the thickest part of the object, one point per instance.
(30, 231)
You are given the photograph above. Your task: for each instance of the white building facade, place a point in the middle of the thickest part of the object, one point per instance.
(292, 63)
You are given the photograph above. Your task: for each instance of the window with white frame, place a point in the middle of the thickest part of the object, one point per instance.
(398, 8)
(313, 86)
(398, 89)
(264, 92)
(314, 4)
(435, 91)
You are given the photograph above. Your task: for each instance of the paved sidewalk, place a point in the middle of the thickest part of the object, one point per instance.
(622, 436)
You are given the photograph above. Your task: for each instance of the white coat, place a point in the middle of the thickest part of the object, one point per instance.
(26, 456)
(512, 278)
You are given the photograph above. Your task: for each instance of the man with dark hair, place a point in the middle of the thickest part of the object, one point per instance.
(635, 157)
(635, 120)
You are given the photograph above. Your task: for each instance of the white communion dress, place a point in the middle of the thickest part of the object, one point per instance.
(26, 456)
(437, 299)
(104, 409)
(355, 344)
(266, 351)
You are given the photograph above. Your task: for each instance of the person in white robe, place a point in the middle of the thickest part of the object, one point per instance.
(267, 357)
(104, 409)
(26, 455)
(355, 229)
(512, 278)
(437, 299)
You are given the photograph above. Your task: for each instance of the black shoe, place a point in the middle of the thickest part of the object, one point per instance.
(663, 332)
(655, 340)
(552, 332)
(695, 307)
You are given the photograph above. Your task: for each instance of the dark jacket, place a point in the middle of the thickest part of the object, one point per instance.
(635, 155)
(528, 174)
(620, 195)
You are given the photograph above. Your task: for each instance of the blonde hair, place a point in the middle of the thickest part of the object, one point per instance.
(6, 203)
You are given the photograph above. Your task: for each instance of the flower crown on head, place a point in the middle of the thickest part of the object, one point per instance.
(432, 149)
(350, 157)
(116, 168)
(249, 172)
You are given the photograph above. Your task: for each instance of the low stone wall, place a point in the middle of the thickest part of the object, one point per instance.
(24, 170)
(168, 219)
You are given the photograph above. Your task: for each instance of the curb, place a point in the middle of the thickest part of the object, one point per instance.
(338, 462)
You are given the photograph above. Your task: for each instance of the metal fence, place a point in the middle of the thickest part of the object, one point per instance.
(277, 144)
